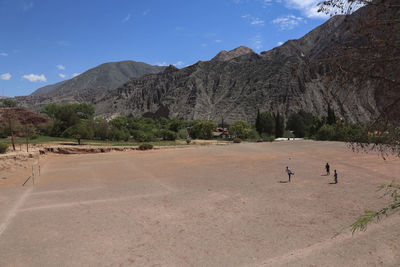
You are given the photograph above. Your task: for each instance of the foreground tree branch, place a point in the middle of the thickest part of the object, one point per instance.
(366, 57)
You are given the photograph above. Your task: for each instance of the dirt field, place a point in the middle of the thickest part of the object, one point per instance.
(201, 206)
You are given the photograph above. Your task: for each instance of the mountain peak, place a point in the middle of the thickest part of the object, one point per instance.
(237, 52)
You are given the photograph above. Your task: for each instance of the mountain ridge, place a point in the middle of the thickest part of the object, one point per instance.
(235, 84)
(104, 76)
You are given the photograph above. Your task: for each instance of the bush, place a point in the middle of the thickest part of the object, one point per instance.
(240, 129)
(253, 135)
(168, 135)
(203, 129)
(3, 148)
(326, 132)
(188, 140)
(237, 140)
(183, 134)
(145, 147)
(78, 132)
(269, 138)
(3, 132)
(142, 136)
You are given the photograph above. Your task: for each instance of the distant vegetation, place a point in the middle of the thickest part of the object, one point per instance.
(77, 122)
(3, 148)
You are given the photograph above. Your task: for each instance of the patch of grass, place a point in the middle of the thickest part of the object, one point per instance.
(38, 140)
(3, 148)
(66, 141)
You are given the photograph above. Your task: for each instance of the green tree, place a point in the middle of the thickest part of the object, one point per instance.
(203, 130)
(240, 129)
(101, 129)
(175, 125)
(258, 123)
(79, 132)
(265, 123)
(331, 119)
(326, 132)
(296, 124)
(279, 125)
(169, 135)
(8, 103)
(300, 123)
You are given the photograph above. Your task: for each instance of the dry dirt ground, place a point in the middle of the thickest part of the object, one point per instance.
(201, 206)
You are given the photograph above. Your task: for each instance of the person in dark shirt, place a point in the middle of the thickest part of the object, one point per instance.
(335, 175)
(327, 168)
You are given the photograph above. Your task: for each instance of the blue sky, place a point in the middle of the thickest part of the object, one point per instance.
(46, 41)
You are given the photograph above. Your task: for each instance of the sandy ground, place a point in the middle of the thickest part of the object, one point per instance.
(201, 206)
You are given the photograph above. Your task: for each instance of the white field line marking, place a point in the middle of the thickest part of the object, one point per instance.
(67, 190)
(14, 210)
(95, 201)
(314, 249)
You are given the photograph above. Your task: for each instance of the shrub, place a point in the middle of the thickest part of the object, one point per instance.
(253, 135)
(240, 129)
(145, 147)
(188, 140)
(3, 132)
(78, 132)
(168, 135)
(269, 138)
(237, 140)
(326, 132)
(203, 129)
(183, 134)
(142, 136)
(3, 148)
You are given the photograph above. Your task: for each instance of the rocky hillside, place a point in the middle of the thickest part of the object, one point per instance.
(106, 76)
(235, 84)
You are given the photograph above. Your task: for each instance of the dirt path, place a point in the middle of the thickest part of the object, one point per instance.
(202, 206)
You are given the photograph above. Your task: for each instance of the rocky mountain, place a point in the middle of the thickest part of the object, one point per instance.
(235, 84)
(103, 77)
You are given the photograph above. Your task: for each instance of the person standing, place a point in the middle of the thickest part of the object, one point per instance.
(289, 172)
(335, 175)
(327, 168)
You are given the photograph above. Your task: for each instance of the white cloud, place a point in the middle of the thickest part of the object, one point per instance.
(253, 20)
(257, 21)
(35, 78)
(179, 64)
(218, 41)
(288, 22)
(266, 3)
(163, 64)
(127, 18)
(308, 7)
(62, 75)
(60, 67)
(3, 54)
(75, 74)
(280, 43)
(257, 43)
(6, 76)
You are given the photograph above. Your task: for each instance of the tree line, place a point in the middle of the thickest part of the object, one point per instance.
(77, 121)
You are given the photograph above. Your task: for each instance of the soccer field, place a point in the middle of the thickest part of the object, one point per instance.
(201, 206)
